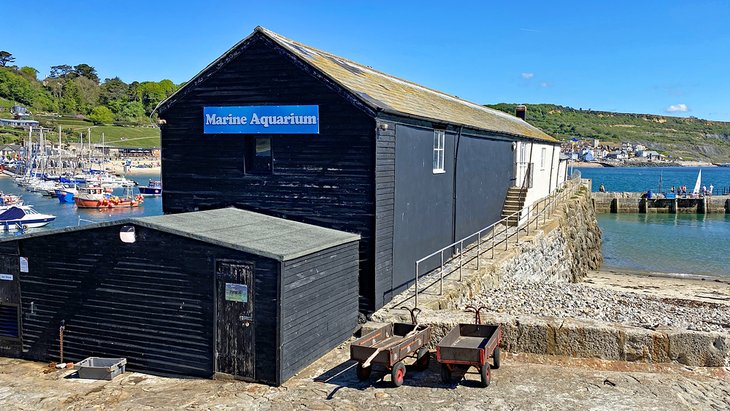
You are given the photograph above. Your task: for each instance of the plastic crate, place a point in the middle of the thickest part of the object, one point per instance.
(98, 368)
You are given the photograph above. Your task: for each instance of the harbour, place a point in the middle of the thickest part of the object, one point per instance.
(69, 215)
(332, 236)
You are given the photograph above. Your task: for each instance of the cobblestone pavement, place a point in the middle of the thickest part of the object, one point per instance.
(523, 382)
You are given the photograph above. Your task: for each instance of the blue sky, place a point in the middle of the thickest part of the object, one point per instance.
(660, 57)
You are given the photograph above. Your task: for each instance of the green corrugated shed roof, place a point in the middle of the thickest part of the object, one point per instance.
(390, 94)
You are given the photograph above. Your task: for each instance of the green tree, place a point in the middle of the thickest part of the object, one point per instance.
(113, 89)
(5, 58)
(29, 72)
(85, 70)
(101, 115)
(70, 99)
(88, 93)
(132, 112)
(61, 71)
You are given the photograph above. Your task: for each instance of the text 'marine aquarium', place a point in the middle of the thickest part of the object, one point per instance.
(261, 119)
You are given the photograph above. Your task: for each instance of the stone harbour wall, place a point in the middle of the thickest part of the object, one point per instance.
(563, 251)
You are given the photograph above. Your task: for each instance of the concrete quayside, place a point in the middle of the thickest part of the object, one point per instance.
(562, 250)
(633, 202)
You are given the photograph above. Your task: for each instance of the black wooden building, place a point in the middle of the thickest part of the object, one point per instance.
(408, 168)
(225, 290)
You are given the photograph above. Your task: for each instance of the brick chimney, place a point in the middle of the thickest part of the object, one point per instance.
(521, 111)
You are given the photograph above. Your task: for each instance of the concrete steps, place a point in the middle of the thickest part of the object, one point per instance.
(513, 203)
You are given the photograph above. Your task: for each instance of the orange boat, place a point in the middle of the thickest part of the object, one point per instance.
(93, 197)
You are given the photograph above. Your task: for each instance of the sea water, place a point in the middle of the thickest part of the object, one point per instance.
(664, 243)
(68, 215)
(667, 243)
(641, 179)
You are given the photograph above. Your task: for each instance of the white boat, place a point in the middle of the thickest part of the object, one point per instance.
(23, 217)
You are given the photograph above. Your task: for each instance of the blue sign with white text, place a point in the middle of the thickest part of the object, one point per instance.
(261, 120)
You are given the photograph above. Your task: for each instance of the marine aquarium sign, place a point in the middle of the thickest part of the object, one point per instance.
(261, 120)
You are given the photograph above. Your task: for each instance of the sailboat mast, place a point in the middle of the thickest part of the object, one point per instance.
(59, 152)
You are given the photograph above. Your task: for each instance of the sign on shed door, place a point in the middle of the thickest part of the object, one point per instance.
(235, 328)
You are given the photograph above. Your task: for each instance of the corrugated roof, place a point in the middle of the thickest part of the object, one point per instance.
(250, 232)
(390, 94)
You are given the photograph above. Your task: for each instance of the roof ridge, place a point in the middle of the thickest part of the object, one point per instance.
(392, 77)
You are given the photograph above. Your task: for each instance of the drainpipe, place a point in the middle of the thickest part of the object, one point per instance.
(552, 161)
(453, 198)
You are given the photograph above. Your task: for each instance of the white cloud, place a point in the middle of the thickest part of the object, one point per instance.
(527, 76)
(545, 84)
(675, 108)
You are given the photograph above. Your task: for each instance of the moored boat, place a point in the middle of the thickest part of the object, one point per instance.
(15, 218)
(94, 197)
(65, 194)
(153, 188)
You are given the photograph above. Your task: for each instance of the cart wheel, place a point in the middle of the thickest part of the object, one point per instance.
(363, 373)
(486, 375)
(445, 374)
(422, 359)
(496, 358)
(397, 373)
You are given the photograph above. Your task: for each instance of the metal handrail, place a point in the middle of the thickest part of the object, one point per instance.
(540, 208)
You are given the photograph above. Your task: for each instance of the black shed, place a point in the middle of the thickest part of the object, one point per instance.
(285, 129)
(226, 290)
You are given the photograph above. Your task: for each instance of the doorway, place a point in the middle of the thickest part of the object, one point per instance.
(234, 317)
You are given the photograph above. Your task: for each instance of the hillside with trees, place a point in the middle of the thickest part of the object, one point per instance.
(76, 98)
(687, 138)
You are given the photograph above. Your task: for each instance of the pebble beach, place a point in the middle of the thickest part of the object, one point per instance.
(644, 300)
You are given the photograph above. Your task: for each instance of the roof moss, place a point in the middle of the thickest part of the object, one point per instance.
(390, 94)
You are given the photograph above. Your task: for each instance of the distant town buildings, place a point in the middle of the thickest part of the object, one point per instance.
(625, 152)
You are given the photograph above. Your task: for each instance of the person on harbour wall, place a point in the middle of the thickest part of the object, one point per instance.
(709, 192)
(602, 188)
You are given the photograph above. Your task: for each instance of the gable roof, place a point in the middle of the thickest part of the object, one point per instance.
(386, 93)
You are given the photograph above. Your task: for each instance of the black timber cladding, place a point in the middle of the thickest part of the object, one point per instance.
(318, 305)
(324, 179)
(268, 69)
(156, 306)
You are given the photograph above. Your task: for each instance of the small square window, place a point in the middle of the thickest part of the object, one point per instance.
(257, 156)
(439, 139)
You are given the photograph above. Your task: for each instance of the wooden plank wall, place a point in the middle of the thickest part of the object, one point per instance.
(10, 342)
(318, 305)
(384, 211)
(139, 301)
(325, 179)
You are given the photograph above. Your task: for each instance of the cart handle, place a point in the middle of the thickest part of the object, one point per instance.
(414, 314)
(476, 311)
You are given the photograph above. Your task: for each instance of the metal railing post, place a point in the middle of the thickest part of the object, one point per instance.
(479, 247)
(461, 257)
(494, 229)
(506, 235)
(415, 301)
(441, 286)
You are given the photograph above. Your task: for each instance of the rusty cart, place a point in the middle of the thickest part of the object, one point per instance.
(388, 346)
(470, 345)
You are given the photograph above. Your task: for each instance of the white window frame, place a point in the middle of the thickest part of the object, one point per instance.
(439, 151)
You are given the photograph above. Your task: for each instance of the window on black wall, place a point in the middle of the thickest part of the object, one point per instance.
(257, 158)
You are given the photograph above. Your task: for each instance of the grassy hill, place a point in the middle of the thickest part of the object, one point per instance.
(117, 136)
(688, 138)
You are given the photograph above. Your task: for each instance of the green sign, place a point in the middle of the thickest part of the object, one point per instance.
(237, 292)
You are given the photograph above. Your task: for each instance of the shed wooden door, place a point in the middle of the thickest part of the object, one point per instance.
(235, 326)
